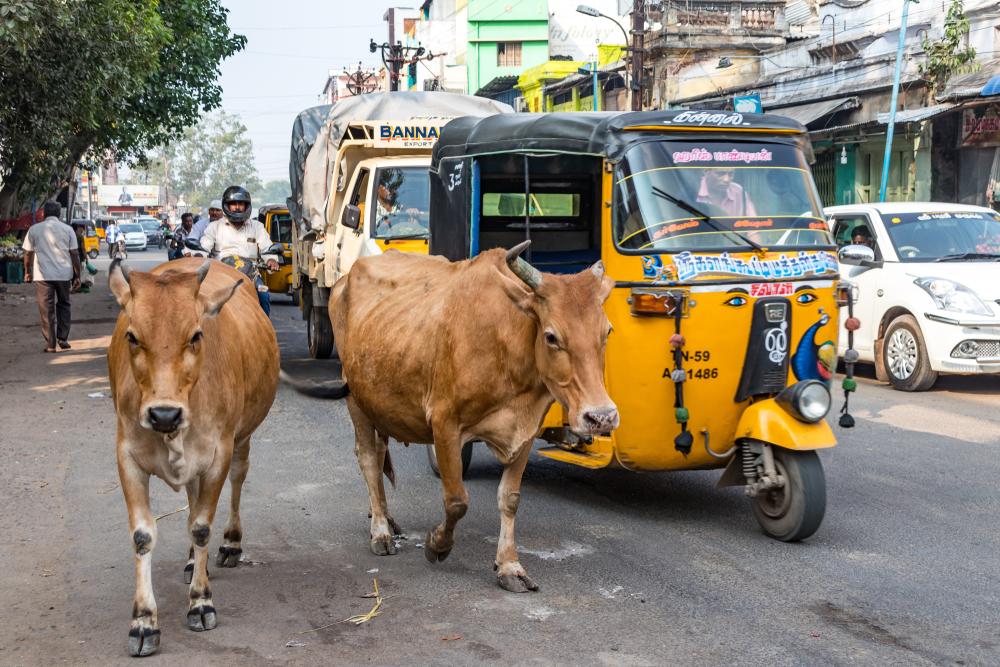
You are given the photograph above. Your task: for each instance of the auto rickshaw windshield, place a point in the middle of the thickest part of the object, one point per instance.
(681, 195)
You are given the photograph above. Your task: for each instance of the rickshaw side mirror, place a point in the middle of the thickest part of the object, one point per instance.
(191, 244)
(858, 255)
(351, 217)
(279, 250)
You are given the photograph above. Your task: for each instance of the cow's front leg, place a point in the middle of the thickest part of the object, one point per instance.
(143, 634)
(201, 609)
(510, 573)
(192, 495)
(456, 499)
(232, 549)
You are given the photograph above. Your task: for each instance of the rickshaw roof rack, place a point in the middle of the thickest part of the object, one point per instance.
(607, 134)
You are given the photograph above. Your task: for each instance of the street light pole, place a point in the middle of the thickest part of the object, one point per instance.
(895, 97)
(590, 11)
(638, 28)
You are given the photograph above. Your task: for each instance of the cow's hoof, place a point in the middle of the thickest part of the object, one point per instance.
(202, 618)
(516, 583)
(431, 553)
(228, 557)
(383, 545)
(143, 640)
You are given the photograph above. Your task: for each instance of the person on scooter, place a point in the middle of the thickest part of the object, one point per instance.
(180, 235)
(236, 236)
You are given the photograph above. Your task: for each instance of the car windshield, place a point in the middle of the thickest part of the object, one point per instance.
(680, 195)
(927, 236)
(129, 227)
(150, 225)
(402, 203)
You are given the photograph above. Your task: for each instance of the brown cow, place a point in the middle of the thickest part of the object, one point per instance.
(191, 381)
(447, 353)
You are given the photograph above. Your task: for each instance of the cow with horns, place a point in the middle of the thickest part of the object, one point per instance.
(193, 363)
(446, 353)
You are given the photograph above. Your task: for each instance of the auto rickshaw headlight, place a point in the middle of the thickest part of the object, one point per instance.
(808, 401)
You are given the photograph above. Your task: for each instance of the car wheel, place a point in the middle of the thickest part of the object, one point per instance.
(904, 356)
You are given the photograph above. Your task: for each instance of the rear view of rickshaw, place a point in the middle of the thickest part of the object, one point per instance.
(725, 311)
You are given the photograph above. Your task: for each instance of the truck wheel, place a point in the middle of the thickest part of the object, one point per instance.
(466, 460)
(320, 334)
(795, 511)
(904, 356)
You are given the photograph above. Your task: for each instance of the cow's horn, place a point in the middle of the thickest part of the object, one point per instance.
(598, 269)
(526, 272)
(126, 273)
(203, 270)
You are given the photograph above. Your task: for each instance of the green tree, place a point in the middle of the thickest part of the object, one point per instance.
(207, 159)
(273, 192)
(82, 80)
(951, 54)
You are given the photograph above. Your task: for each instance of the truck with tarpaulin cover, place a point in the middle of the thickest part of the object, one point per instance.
(359, 176)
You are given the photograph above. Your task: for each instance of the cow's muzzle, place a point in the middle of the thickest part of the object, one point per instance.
(600, 421)
(165, 418)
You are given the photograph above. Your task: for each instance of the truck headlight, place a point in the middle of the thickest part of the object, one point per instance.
(808, 401)
(949, 295)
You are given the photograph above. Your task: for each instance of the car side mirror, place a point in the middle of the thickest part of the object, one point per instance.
(351, 217)
(858, 255)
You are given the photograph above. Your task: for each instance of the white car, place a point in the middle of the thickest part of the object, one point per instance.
(135, 235)
(929, 301)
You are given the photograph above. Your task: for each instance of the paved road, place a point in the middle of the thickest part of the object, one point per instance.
(634, 569)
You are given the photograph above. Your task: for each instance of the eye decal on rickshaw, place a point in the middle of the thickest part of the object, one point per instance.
(804, 298)
(738, 298)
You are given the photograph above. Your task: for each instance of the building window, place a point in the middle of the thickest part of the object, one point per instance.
(509, 54)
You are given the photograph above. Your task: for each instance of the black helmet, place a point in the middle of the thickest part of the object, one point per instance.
(235, 193)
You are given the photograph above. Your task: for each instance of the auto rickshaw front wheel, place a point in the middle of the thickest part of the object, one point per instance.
(794, 511)
(466, 459)
(94, 254)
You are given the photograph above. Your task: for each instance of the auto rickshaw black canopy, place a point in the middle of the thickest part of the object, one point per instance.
(468, 142)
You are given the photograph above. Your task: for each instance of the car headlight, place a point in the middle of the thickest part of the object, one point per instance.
(808, 401)
(949, 295)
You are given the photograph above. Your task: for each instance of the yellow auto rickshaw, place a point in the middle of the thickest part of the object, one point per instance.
(91, 241)
(278, 222)
(725, 311)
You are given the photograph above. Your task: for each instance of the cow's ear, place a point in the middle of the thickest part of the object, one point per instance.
(606, 283)
(118, 282)
(214, 302)
(521, 296)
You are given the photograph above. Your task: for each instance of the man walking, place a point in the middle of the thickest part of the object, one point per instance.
(111, 236)
(51, 261)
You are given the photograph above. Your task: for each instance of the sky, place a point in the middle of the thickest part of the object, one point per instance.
(291, 46)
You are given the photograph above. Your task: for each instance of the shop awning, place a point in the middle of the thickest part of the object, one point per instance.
(916, 115)
(992, 87)
(807, 113)
(973, 84)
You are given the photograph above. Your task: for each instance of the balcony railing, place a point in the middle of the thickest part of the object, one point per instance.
(759, 16)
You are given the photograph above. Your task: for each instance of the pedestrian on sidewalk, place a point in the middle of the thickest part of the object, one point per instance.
(51, 261)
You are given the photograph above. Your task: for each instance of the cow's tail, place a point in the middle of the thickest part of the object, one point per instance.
(388, 470)
(331, 389)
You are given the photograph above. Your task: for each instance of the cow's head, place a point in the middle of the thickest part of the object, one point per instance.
(165, 315)
(571, 336)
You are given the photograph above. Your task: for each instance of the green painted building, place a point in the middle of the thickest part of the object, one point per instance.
(505, 38)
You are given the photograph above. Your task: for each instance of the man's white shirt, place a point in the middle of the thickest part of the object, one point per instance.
(249, 240)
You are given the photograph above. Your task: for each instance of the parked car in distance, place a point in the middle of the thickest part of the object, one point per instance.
(153, 229)
(929, 299)
(135, 235)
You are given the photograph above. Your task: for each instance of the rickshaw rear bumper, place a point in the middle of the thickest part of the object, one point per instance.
(768, 422)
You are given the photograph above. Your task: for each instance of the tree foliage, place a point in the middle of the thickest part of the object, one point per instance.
(81, 80)
(273, 192)
(206, 160)
(951, 54)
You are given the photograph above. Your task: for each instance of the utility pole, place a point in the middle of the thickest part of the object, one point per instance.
(638, 31)
(895, 97)
(394, 55)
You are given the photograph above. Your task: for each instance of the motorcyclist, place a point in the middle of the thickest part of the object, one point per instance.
(238, 238)
(180, 235)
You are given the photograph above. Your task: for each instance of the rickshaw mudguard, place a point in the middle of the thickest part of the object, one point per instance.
(768, 422)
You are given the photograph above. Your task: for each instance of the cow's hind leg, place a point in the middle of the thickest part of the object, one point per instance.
(456, 499)
(370, 448)
(201, 609)
(510, 573)
(143, 634)
(232, 549)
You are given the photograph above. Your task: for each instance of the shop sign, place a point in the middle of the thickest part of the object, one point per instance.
(748, 104)
(128, 195)
(981, 126)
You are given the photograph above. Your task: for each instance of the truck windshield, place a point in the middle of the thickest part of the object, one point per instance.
(402, 203)
(944, 236)
(680, 195)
